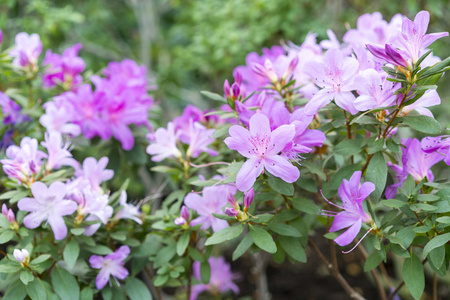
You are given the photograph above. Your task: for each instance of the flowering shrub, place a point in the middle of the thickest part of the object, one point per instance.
(300, 146)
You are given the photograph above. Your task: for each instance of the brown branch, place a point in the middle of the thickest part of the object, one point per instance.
(335, 272)
(349, 133)
(435, 285)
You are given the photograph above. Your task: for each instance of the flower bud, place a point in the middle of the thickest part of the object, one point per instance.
(230, 211)
(226, 88)
(22, 256)
(185, 213)
(232, 200)
(238, 78)
(1, 36)
(248, 199)
(180, 221)
(236, 90)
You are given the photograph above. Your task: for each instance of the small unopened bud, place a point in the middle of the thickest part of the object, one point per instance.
(185, 212)
(230, 211)
(226, 88)
(236, 90)
(238, 78)
(22, 256)
(1, 36)
(180, 221)
(248, 199)
(232, 200)
(292, 65)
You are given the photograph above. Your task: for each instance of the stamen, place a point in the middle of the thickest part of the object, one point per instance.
(346, 252)
(330, 201)
(210, 164)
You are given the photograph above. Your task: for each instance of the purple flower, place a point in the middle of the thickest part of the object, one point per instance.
(248, 199)
(415, 39)
(262, 146)
(221, 279)
(213, 199)
(94, 204)
(26, 50)
(352, 195)
(374, 90)
(95, 172)
(58, 152)
(1, 36)
(439, 144)
(63, 69)
(184, 218)
(199, 138)
(415, 162)
(11, 111)
(390, 55)
(335, 76)
(111, 264)
(128, 211)
(23, 162)
(59, 117)
(48, 204)
(163, 143)
(429, 98)
(9, 214)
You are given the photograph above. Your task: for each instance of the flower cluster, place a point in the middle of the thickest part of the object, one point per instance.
(119, 100)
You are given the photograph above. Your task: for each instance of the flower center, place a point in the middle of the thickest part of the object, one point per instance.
(261, 144)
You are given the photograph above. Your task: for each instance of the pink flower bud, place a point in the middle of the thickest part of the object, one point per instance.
(22, 256)
(226, 88)
(248, 198)
(11, 217)
(180, 221)
(1, 36)
(238, 78)
(185, 213)
(5, 210)
(236, 90)
(232, 200)
(230, 211)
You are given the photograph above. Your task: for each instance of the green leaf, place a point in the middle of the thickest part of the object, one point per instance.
(225, 234)
(205, 272)
(263, 239)
(436, 242)
(213, 96)
(423, 124)
(437, 256)
(6, 236)
(40, 259)
(9, 268)
(443, 220)
(393, 203)
(377, 174)
(77, 231)
(4, 223)
(293, 248)
(305, 205)
(281, 186)
(137, 290)
(349, 147)
(36, 290)
(182, 243)
(98, 249)
(407, 235)
(15, 291)
(70, 253)
(346, 172)
(428, 197)
(26, 276)
(87, 294)
(195, 254)
(65, 284)
(159, 280)
(413, 275)
(242, 247)
(284, 229)
(373, 261)
(262, 218)
(375, 145)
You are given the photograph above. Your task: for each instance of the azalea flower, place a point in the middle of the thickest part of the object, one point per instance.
(95, 172)
(58, 152)
(262, 146)
(352, 195)
(415, 162)
(439, 144)
(163, 143)
(221, 279)
(212, 200)
(27, 50)
(22, 256)
(49, 205)
(335, 76)
(128, 211)
(184, 217)
(111, 264)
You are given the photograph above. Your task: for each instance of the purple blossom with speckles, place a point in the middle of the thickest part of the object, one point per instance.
(439, 144)
(262, 146)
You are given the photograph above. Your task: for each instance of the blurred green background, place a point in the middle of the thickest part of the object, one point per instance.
(192, 45)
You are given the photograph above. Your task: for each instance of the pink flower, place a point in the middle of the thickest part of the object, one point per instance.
(212, 200)
(352, 195)
(262, 146)
(111, 264)
(58, 152)
(221, 279)
(63, 69)
(335, 76)
(27, 50)
(22, 256)
(163, 143)
(95, 172)
(128, 211)
(184, 217)
(48, 204)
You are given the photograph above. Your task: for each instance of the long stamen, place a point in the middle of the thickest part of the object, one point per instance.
(330, 201)
(209, 164)
(217, 183)
(345, 252)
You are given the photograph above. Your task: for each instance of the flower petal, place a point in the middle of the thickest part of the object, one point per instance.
(282, 168)
(248, 173)
(349, 235)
